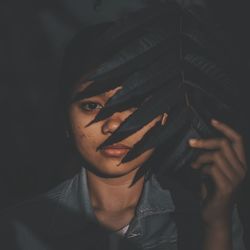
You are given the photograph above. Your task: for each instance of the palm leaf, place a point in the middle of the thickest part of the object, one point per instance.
(162, 101)
(196, 40)
(146, 80)
(130, 28)
(138, 86)
(138, 47)
(207, 77)
(198, 128)
(109, 80)
(179, 154)
(210, 69)
(177, 121)
(153, 54)
(145, 143)
(201, 126)
(195, 37)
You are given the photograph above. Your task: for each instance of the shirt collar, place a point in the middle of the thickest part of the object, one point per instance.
(154, 199)
(75, 203)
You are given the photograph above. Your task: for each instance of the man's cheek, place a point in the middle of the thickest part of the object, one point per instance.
(87, 142)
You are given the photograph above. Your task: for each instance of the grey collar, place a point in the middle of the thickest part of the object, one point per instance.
(154, 199)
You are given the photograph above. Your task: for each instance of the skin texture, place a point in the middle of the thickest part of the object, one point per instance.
(113, 198)
(87, 139)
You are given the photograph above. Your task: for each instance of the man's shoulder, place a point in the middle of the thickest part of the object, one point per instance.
(36, 210)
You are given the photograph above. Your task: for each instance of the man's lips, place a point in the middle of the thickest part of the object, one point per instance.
(117, 146)
(116, 150)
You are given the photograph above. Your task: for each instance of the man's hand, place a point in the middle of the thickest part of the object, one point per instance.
(226, 164)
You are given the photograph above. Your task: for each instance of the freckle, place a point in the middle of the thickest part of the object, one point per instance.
(83, 135)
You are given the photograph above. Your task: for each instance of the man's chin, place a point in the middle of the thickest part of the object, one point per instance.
(112, 170)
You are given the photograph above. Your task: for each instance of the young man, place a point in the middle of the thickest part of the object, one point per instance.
(136, 97)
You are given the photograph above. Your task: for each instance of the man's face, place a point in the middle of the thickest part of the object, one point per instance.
(87, 139)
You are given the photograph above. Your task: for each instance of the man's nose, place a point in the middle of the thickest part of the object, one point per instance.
(112, 123)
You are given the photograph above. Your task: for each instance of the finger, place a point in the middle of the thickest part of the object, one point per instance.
(204, 159)
(211, 144)
(226, 147)
(218, 160)
(232, 157)
(221, 144)
(235, 137)
(226, 130)
(223, 185)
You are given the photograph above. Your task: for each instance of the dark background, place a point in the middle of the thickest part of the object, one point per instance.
(34, 34)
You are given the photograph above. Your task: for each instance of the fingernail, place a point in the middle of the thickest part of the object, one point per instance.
(192, 141)
(214, 121)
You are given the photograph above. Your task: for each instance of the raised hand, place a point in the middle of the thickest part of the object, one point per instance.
(225, 163)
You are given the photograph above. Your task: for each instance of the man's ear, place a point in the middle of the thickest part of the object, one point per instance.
(164, 119)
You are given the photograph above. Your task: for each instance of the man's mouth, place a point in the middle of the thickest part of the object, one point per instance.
(116, 150)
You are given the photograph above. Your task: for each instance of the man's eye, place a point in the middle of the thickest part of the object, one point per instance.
(90, 106)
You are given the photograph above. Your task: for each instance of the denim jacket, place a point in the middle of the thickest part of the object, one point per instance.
(153, 226)
(63, 219)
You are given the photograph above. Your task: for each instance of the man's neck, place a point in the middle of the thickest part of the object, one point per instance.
(114, 194)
